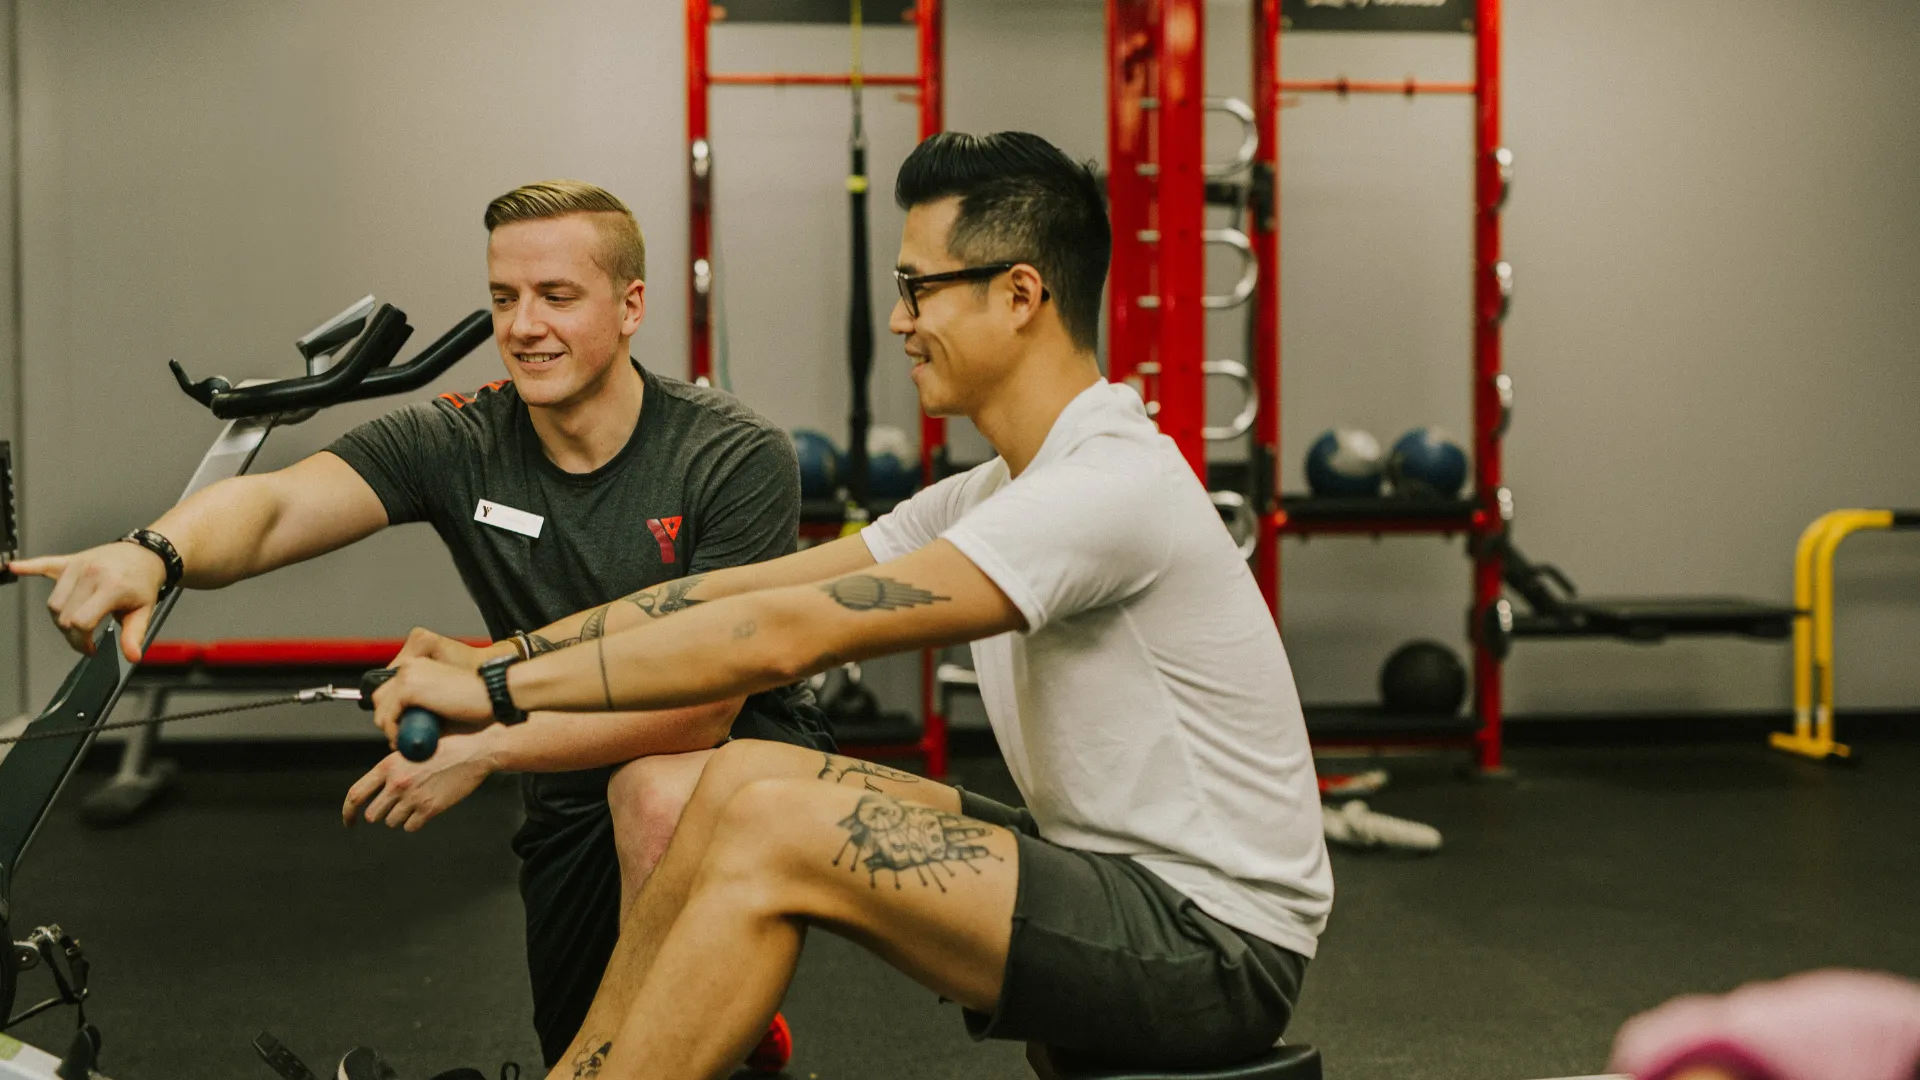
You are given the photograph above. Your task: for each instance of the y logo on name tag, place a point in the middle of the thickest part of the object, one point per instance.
(506, 517)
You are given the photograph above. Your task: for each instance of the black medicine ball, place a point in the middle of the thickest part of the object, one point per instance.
(1423, 678)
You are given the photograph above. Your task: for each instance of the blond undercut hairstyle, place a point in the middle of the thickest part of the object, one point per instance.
(623, 251)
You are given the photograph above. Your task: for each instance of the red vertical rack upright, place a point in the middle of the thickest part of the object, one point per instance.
(1157, 191)
(1263, 228)
(1132, 74)
(1492, 288)
(933, 429)
(927, 81)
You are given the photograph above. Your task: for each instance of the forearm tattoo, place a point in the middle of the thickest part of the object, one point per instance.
(663, 600)
(596, 624)
(837, 769)
(588, 1062)
(540, 646)
(605, 686)
(867, 592)
(884, 833)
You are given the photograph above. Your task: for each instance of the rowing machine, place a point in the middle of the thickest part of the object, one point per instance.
(33, 771)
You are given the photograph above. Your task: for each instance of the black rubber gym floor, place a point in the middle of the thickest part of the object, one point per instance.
(1598, 883)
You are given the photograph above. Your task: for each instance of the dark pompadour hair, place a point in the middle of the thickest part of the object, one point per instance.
(1020, 199)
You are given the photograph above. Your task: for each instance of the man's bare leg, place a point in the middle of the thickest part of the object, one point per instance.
(645, 923)
(647, 796)
(928, 890)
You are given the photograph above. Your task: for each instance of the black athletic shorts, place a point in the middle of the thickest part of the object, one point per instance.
(570, 871)
(1111, 966)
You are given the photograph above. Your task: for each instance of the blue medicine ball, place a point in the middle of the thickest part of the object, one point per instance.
(893, 464)
(1345, 462)
(819, 464)
(1426, 464)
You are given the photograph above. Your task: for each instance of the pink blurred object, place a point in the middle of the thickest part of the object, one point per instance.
(1822, 1025)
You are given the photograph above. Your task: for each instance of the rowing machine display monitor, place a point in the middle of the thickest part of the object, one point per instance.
(326, 339)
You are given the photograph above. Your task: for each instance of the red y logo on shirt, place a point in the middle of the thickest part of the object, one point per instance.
(666, 531)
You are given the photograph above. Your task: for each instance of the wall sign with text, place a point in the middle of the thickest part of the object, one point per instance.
(1404, 16)
(872, 12)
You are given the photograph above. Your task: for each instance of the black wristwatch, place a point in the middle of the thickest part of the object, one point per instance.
(494, 674)
(162, 547)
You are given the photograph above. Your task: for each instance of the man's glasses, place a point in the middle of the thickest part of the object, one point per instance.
(911, 284)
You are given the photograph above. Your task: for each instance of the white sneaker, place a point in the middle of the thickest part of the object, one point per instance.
(1356, 826)
(1352, 784)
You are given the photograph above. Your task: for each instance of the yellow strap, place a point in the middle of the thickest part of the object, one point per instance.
(858, 71)
(855, 520)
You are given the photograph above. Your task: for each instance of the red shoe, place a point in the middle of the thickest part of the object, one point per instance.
(775, 1049)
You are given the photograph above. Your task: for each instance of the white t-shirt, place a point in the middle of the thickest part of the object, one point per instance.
(1148, 709)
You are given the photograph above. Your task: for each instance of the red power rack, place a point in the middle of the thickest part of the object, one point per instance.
(1157, 301)
(928, 82)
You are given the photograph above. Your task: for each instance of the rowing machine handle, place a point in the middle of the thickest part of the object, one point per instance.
(419, 733)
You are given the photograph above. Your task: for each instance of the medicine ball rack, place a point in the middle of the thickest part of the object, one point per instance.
(1160, 189)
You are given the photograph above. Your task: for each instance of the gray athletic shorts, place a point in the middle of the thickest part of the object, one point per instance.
(1109, 965)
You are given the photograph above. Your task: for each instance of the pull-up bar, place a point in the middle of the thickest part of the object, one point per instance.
(1342, 85)
(798, 78)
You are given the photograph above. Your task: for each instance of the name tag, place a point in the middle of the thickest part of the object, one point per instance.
(506, 517)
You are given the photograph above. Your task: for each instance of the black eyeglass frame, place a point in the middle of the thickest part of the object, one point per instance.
(911, 284)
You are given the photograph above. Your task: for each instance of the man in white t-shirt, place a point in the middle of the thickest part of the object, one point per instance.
(1157, 903)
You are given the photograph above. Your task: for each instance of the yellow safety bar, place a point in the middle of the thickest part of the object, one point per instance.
(1812, 734)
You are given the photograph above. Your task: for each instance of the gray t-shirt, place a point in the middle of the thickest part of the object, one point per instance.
(703, 483)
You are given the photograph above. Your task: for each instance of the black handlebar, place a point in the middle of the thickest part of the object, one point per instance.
(363, 373)
(385, 335)
(432, 362)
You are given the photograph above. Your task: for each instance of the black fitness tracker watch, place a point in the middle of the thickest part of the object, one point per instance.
(494, 674)
(162, 547)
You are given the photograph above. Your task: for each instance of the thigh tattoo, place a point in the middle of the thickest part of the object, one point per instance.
(836, 770)
(884, 833)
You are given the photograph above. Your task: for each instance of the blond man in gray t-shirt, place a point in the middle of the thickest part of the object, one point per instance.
(579, 478)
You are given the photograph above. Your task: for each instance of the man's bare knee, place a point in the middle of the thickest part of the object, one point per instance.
(743, 761)
(648, 796)
(755, 843)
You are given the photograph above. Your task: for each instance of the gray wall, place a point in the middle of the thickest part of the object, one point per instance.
(1713, 339)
